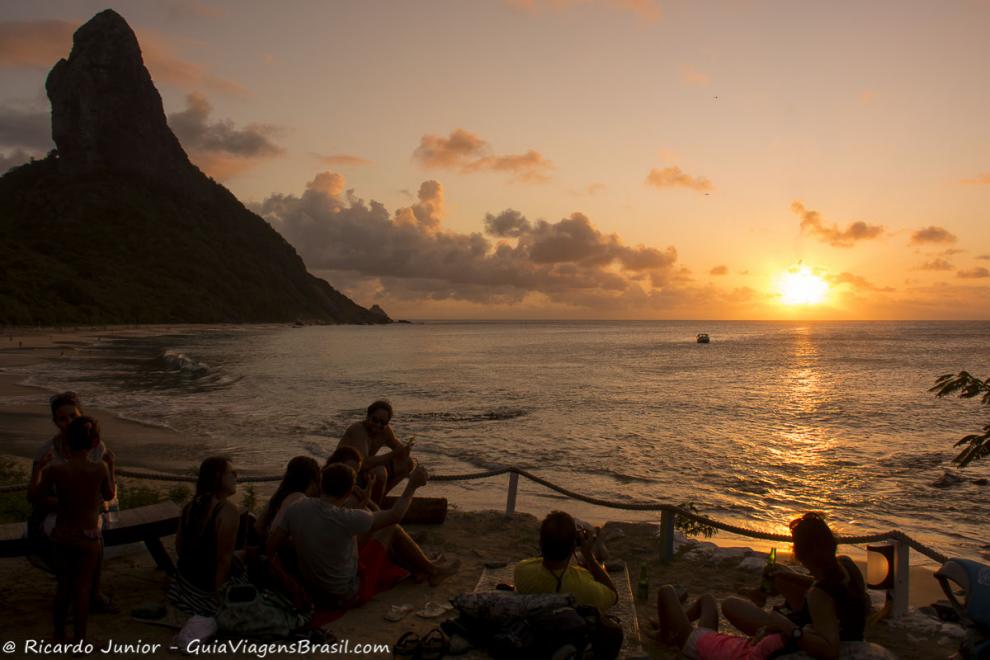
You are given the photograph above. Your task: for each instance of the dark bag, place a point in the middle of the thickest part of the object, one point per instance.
(563, 627)
(606, 633)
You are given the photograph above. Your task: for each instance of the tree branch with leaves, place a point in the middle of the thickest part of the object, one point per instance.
(967, 386)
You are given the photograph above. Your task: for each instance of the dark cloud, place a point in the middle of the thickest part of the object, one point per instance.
(15, 158)
(220, 148)
(28, 129)
(932, 235)
(671, 177)
(719, 270)
(811, 222)
(936, 264)
(984, 257)
(412, 256)
(468, 153)
(973, 273)
(507, 224)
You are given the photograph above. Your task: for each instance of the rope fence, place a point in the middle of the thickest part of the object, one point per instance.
(670, 510)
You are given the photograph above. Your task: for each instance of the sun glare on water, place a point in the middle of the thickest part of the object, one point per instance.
(802, 287)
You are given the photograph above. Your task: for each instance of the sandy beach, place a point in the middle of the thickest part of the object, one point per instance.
(473, 535)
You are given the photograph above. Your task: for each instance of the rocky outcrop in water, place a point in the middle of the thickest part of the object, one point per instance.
(118, 226)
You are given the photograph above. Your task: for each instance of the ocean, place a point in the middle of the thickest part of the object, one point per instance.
(769, 420)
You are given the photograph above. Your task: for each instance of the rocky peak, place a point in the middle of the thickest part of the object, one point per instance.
(376, 310)
(107, 115)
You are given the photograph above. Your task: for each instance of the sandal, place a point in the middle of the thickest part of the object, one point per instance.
(408, 646)
(398, 612)
(434, 646)
(432, 610)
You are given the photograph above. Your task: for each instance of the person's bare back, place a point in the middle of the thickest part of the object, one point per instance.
(82, 486)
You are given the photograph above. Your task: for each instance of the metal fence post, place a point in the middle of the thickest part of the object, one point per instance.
(510, 500)
(666, 535)
(902, 569)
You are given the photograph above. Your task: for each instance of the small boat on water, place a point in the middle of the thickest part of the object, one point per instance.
(703, 338)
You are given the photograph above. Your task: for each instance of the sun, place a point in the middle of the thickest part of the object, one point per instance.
(802, 287)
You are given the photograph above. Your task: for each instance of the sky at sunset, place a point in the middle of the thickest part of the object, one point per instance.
(607, 159)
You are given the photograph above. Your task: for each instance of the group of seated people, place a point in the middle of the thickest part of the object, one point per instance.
(821, 609)
(323, 534)
(326, 540)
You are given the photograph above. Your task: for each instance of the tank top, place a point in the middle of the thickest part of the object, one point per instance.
(852, 604)
(198, 558)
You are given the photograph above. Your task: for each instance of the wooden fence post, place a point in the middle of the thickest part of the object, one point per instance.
(666, 535)
(902, 569)
(510, 500)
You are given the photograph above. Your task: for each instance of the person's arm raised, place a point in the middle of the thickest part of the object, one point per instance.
(393, 516)
(591, 562)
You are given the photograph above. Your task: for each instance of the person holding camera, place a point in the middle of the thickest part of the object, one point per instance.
(553, 571)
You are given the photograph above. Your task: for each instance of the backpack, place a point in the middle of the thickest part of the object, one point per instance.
(514, 626)
(247, 612)
(974, 611)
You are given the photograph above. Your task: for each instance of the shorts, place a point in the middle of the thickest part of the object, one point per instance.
(706, 644)
(376, 571)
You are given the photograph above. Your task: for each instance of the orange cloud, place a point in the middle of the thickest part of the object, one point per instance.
(166, 67)
(40, 44)
(981, 179)
(469, 153)
(530, 167)
(435, 151)
(932, 235)
(426, 214)
(855, 282)
(673, 176)
(973, 273)
(812, 223)
(936, 264)
(342, 160)
(691, 76)
(415, 259)
(719, 270)
(984, 257)
(34, 44)
(648, 10)
(330, 184)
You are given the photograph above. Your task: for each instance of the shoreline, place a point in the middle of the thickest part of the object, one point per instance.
(24, 426)
(473, 532)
